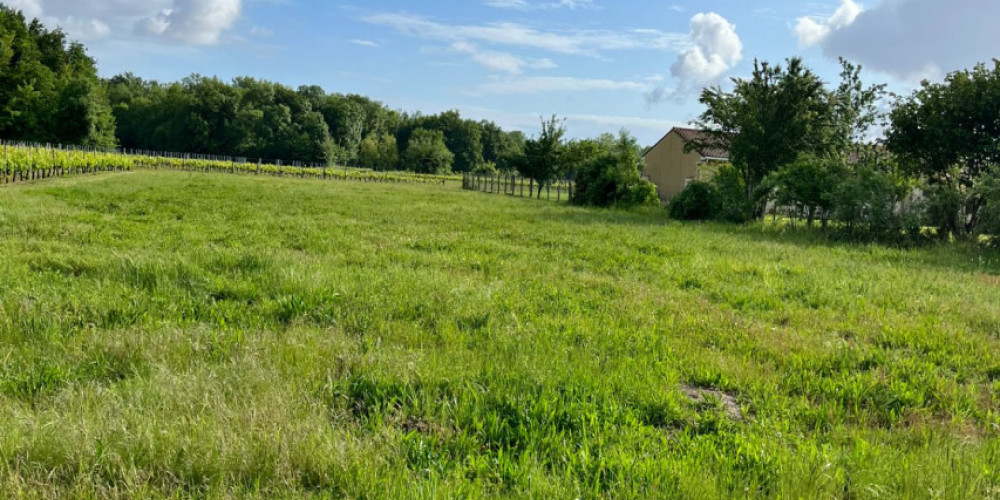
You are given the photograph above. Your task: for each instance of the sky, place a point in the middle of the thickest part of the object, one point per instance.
(602, 65)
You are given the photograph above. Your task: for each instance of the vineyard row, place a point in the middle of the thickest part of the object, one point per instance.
(22, 162)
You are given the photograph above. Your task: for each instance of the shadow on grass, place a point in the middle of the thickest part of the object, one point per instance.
(960, 255)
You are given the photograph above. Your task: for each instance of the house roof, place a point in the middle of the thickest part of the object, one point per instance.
(690, 134)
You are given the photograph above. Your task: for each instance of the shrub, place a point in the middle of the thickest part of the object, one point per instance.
(733, 205)
(865, 204)
(988, 190)
(698, 201)
(612, 178)
(806, 185)
(943, 208)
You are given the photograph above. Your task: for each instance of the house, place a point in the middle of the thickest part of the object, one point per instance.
(671, 169)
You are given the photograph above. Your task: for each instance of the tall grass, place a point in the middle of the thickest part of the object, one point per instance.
(167, 334)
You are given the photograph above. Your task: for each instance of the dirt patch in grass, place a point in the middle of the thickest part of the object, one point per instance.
(706, 398)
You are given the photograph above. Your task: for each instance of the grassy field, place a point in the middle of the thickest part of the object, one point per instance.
(168, 334)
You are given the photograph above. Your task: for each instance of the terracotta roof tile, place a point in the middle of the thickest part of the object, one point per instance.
(690, 134)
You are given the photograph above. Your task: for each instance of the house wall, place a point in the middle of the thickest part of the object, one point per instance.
(669, 167)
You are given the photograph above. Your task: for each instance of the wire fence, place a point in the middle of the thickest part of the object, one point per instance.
(515, 185)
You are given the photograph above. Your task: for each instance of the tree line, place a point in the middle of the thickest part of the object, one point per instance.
(50, 92)
(800, 144)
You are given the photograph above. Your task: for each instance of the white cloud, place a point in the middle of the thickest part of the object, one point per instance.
(86, 29)
(364, 43)
(525, 5)
(811, 31)
(30, 8)
(574, 42)
(628, 122)
(538, 84)
(716, 49)
(914, 39)
(191, 22)
(195, 22)
(502, 62)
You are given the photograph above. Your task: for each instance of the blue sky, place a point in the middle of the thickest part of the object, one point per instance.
(601, 64)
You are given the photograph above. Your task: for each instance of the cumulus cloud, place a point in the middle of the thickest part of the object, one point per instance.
(196, 22)
(190, 22)
(715, 49)
(915, 39)
(811, 31)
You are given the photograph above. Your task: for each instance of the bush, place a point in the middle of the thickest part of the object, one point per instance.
(612, 178)
(698, 201)
(988, 190)
(943, 207)
(865, 205)
(806, 185)
(733, 205)
(724, 199)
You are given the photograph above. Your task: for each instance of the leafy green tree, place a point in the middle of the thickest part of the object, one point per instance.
(809, 185)
(988, 188)
(943, 207)
(951, 124)
(507, 160)
(462, 137)
(766, 121)
(855, 112)
(499, 147)
(378, 152)
(426, 153)
(543, 156)
(866, 202)
(579, 152)
(612, 175)
(49, 89)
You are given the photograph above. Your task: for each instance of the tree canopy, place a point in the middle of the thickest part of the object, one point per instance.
(49, 89)
(769, 120)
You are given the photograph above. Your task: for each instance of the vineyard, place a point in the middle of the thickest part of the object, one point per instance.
(23, 162)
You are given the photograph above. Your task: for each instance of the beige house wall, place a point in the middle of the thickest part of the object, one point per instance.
(669, 167)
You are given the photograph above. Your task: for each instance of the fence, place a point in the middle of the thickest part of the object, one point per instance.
(23, 161)
(514, 185)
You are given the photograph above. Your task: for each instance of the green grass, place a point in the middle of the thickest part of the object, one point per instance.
(167, 334)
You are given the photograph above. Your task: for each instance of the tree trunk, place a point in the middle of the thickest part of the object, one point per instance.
(973, 220)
